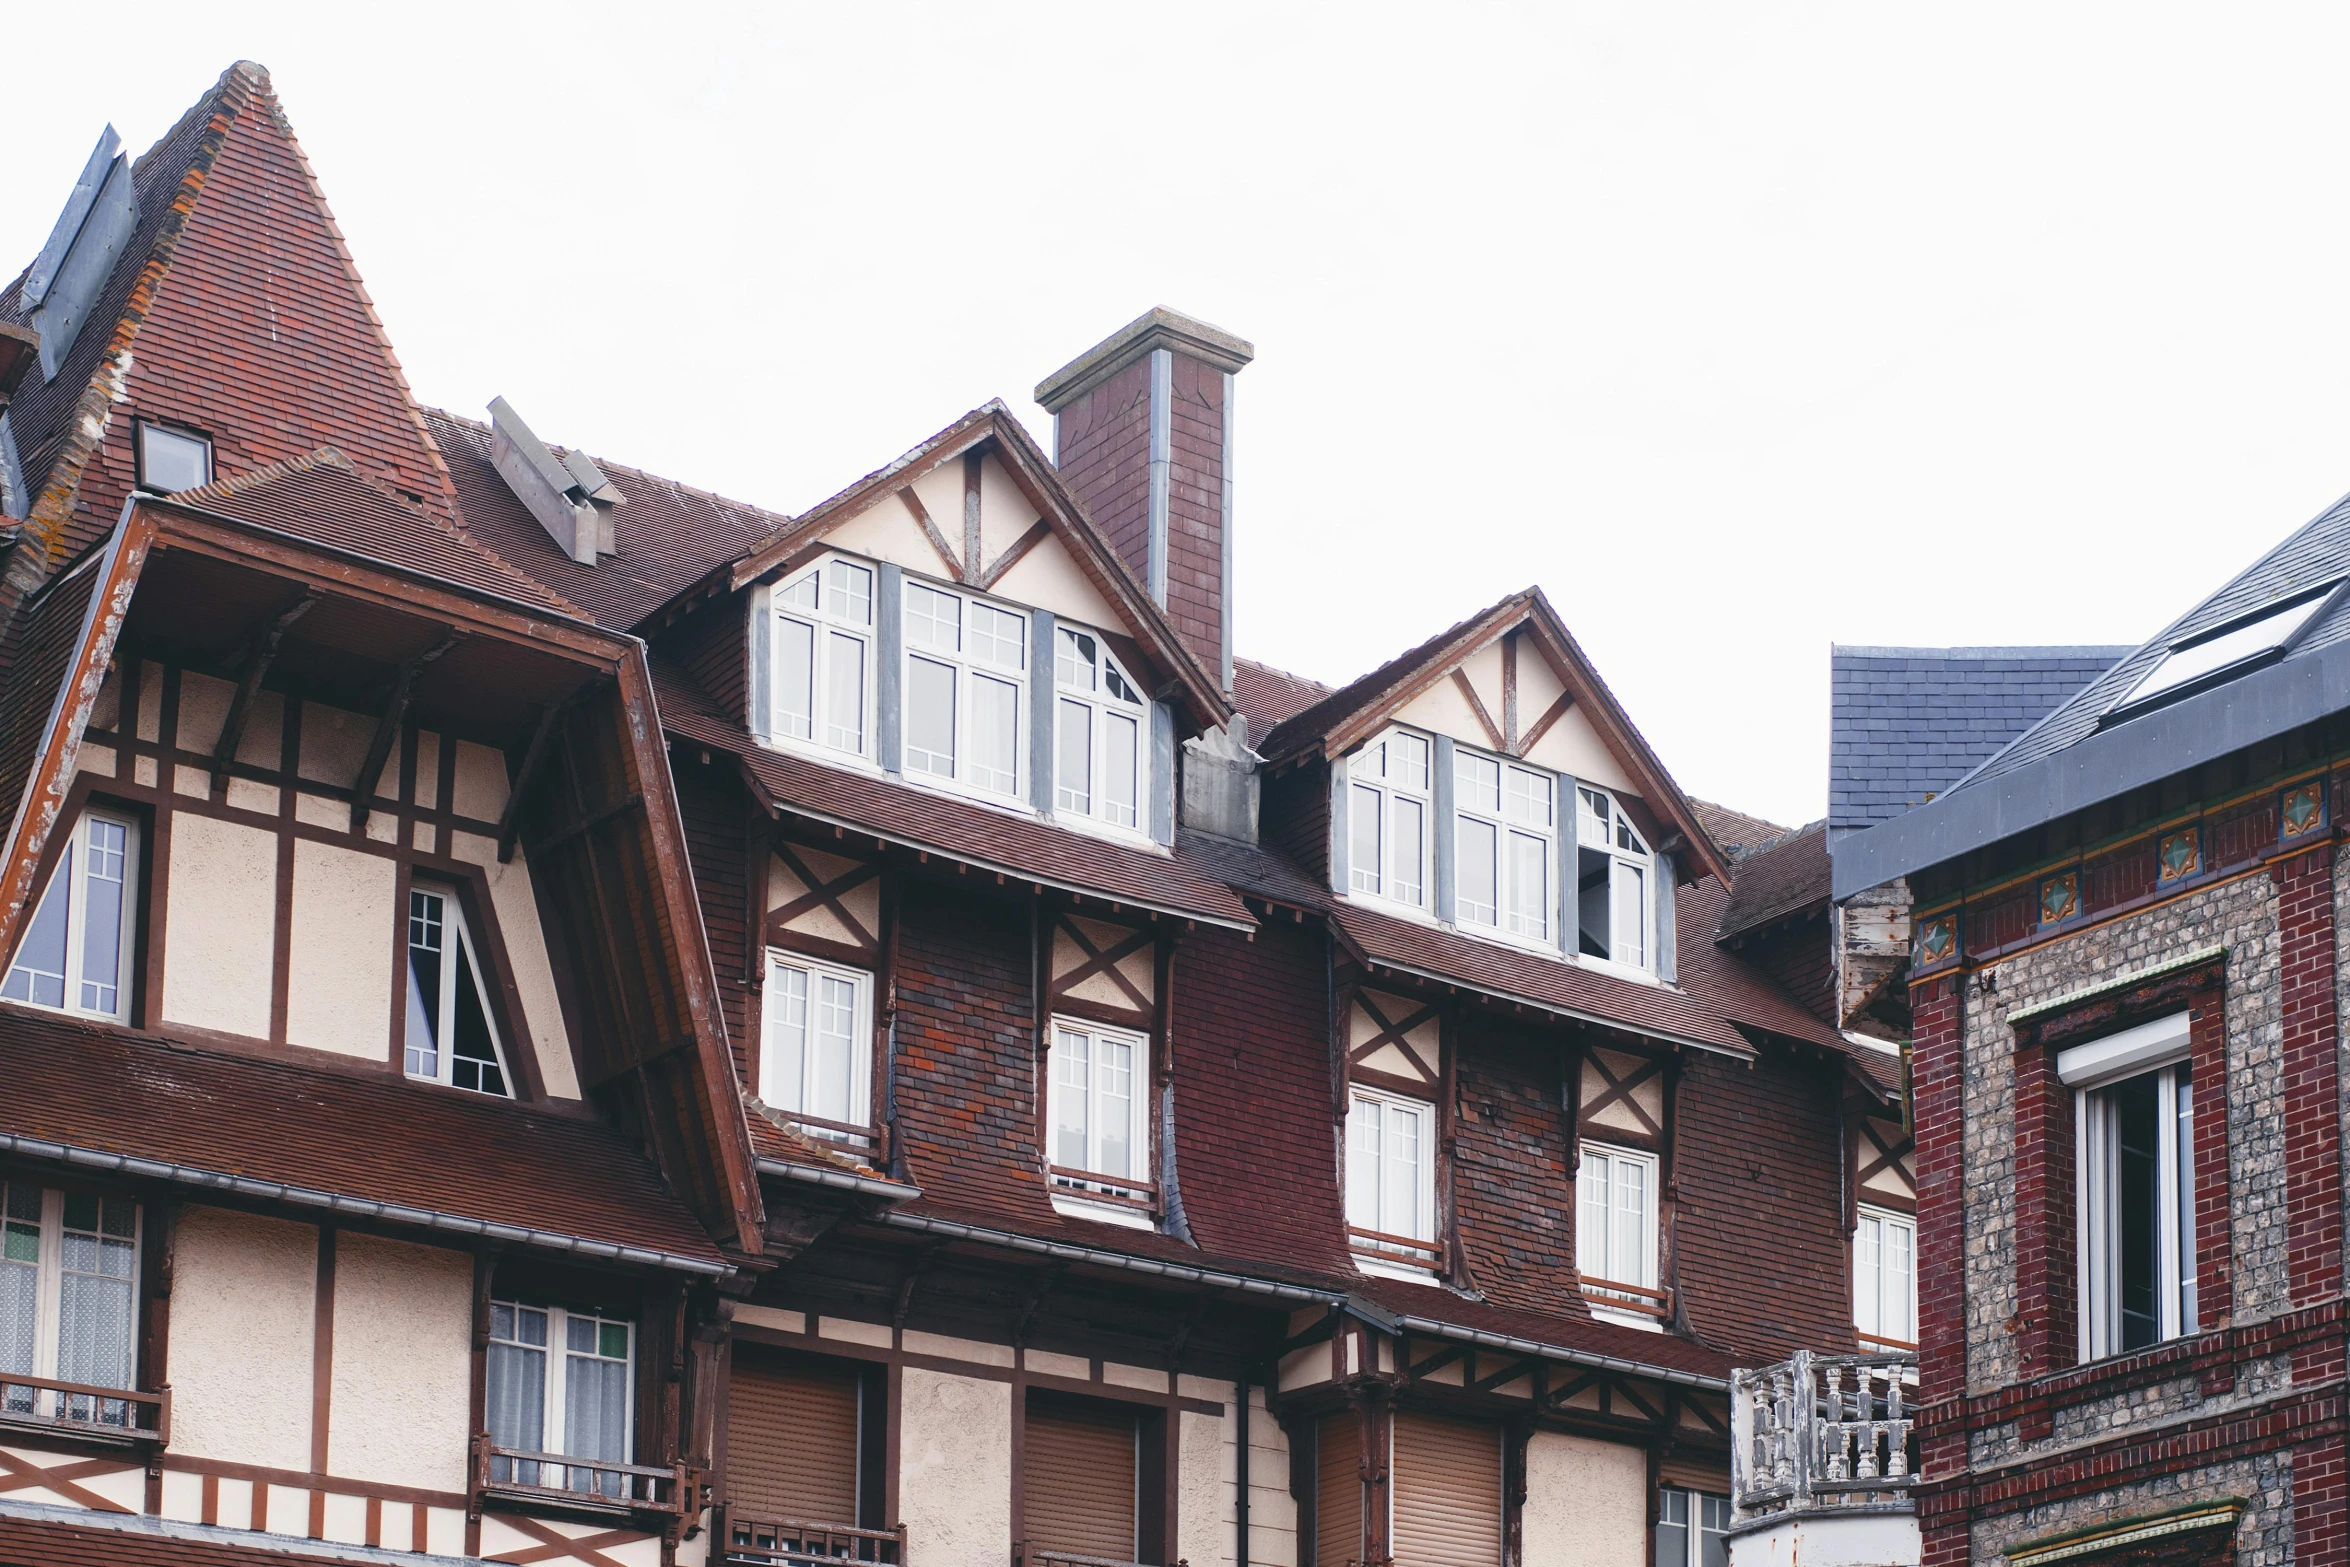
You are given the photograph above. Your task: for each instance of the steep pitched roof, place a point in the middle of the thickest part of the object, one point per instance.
(1782, 876)
(1736, 831)
(1907, 723)
(1268, 695)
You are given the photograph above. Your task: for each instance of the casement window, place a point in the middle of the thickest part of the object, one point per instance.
(560, 1383)
(2134, 1152)
(966, 687)
(1100, 1113)
(69, 1268)
(1387, 818)
(823, 658)
(76, 953)
(1101, 739)
(1391, 1177)
(172, 460)
(1615, 882)
(1615, 1232)
(451, 1036)
(1884, 1279)
(1505, 840)
(816, 1060)
(1692, 1529)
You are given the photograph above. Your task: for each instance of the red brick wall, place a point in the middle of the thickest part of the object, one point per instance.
(1104, 452)
(2046, 1283)
(1936, 1012)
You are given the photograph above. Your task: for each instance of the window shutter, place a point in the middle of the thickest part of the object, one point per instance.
(1041, 684)
(1570, 865)
(1338, 1492)
(1441, 778)
(1666, 962)
(760, 720)
(1163, 773)
(1080, 1468)
(1338, 838)
(1447, 1480)
(791, 1442)
(889, 656)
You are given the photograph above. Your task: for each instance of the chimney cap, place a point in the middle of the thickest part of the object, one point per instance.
(1156, 328)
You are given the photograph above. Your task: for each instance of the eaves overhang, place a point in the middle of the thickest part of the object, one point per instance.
(2168, 741)
(839, 1180)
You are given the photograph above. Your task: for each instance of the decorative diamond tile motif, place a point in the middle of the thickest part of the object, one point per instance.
(1937, 938)
(2060, 898)
(2182, 855)
(2303, 808)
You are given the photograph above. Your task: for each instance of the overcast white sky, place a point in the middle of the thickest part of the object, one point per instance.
(1742, 328)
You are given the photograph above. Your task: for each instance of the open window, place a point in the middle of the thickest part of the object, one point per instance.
(1099, 1096)
(823, 658)
(1101, 740)
(452, 1037)
(1387, 818)
(1505, 827)
(816, 1060)
(76, 951)
(561, 1384)
(1391, 1181)
(69, 1269)
(1616, 1235)
(1884, 1279)
(966, 689)
(2134, 1141)
(1615, 897)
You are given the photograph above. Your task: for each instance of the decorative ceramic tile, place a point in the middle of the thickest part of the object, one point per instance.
(2060, 898)
(2182, 854)
(1937, 938)
(2303, 809)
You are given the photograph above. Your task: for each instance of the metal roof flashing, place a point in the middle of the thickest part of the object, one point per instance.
(2159, 744)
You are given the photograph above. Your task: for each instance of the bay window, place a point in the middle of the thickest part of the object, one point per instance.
(966, 686)
(1101, 733)
(1505, 842)
(1391, 1178)
(823, 659)
(1615, 1233)
(2134, 1142)
(1100, 1116)
(816, 1064)
(1884, 1279)
(69, 1265)
(76, 951)
(451, 1037)
(1615, 889)
(561, 1384)
(1387, 818)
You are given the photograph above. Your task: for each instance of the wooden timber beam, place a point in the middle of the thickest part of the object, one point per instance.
(258, 658)
(387, 727)
(510, 819)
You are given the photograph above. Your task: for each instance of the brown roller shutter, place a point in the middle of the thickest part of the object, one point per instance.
(1338, 1491)
(1080, 1464)
(791, 1441)
(1447, 1480)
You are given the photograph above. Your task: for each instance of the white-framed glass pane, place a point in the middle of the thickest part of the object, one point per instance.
(1627, 1240)
(1399, 1202)
(1114, 1113)
(787, 1038)
(930, 717)
(995, 733)
(38, 975)
(595, 1398)
(1072, 1099)
(1478, 872)
(1591, 816)
(933, 619)
(1363, 838)
(1529, 886)
(1074, 788)
(473, 1063)
(1900, 1271)
(1409, 852)
(1628, 837)
(844, 693)
(20, 1282)
(1121, 770)
(1074, 659)
(427, 939)
(1868, 1252)
(1713, 1532)
(2183, 1182)
(1366, 1134)
(1478, 779)
(1628, 919)
(105, 871)
(832, 1071)
(999, 637)
(1116, 685)
(98, 1259)
(1407, 766)
(1672, 1528)
(170, 461)
(850, 589)
(1529, 798)
(516, 1386)
(805, 593)
(795, 677)
(1591, 1220)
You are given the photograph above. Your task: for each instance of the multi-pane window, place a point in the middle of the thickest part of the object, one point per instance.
(559, 1383)
(966, 679)
(1505, 842)
(69, 1265)
(2134, 1140)
(1387, 818)
(1884, 1279)
(1101, 733)
(1391, 1176)
(1614, 888)
(1099, 1111)
(76, 953)
(1692, 1529)
(1615, 1229)
(451, 1037)
(823, 659)
(817, 1064)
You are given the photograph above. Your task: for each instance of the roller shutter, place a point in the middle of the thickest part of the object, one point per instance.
(1447, 1482)
(791, 1441)
(1338, 1491)
(1080, 1464)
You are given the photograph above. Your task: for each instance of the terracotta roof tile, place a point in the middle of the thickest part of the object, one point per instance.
(1776, 878)
(1268, 695)
(1735, 831)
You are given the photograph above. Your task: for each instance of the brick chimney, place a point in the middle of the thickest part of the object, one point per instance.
(1142, 431)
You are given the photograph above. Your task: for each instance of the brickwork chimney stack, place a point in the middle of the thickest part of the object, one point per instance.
(1142, 431)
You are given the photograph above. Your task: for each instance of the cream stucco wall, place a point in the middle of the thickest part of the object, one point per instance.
(1203, 1488)
(1570, 746)
(480, 790)
(243, 1306)
(955, 1467)
(334, 743)
(220, 926)
(339, 976)
(400, 1406)
(516, 906)
(1586, 1502)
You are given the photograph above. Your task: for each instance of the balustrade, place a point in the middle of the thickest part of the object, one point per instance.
(1816, 1432)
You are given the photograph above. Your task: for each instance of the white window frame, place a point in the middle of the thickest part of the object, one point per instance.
(558, 1351)
(445, 1004)
(967, 671)
(1403, 1252)
(1100, 706)
(1697, 1514)
(791, 1099)
(74, 862)
(49, 1272)
(1514, 820)
(2159, 1049)
(829, 632)
(1615, 833)
(149, 431)
(1096, 1193)
(1872, 1278)
(1381, 795)
(1605, 1162)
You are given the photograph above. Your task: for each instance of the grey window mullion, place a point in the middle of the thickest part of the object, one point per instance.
(1667, 962)
(1570, 828)
(1042, 682)
(1162, 780)
(760, 720)
(1338, 837)
(1441, 782)
(889, 661)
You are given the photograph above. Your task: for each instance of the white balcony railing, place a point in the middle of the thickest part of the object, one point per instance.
(1819, 1433)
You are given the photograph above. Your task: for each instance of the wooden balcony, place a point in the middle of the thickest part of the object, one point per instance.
(793, 1542)
(1638, 1298)
(561, 1483)
(1025, 1555)
(98, 1414)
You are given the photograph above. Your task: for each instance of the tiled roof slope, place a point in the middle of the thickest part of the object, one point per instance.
(2317, 553)
(1776, 878)
(72, 1537)
(1736, 831)
(321, 1129)
(1910, 722)
(670, 536)
(1268, 695)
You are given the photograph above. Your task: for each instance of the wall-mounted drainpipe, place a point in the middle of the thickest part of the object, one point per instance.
(1240, 1479)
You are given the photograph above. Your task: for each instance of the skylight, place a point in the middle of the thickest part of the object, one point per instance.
(2267, 632)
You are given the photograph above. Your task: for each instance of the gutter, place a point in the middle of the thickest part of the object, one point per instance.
(1572, 1357)
(360, 1207)
(840, 1180)
(1578, 1015)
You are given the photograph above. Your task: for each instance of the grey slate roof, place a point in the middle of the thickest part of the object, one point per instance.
(1909, 722)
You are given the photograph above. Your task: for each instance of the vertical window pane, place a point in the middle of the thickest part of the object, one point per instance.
(1529, 886)
(1073, 659)
(1627, 1248)
(844, 693)
(1365, 1135)
(1121, 770)
(1409, 762)
(1529, 798)
(1409, 852)
(1591, 1226)
(517, 1387)
(1629, 918)
(851, 588)
(595, 1404)
(20, 1272)
(1401, 1201)
(425, 935)
(1591, 817)
(999, 637)
(2189, 1318)
(1114, 1115)
(803, 593)
(933, 619)
(39, 974)
(795, 678)
(1362, 830)
(930, 717)
(787, 1039)
(104, 867)
(1479, 896)
(1899, 1313)
(1479, 781)
(1713, 1532)
(836, 1040)
(1672, 1529)
(1867, 1285)
(1074, 791)
(1072, 1101)
(2137, 1206)
(995, 734)
(474, 1059)
(98, 1259)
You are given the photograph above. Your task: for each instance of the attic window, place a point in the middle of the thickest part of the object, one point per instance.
(172, 460)
(2266, 635)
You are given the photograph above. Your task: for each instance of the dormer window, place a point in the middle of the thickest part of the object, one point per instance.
(450, 1038)
(76, 953)
(824, 657)
(966, 684)
(1387, 818)
(1506, 839)
(1615, 892)
(172, 460)
(1101, 718)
